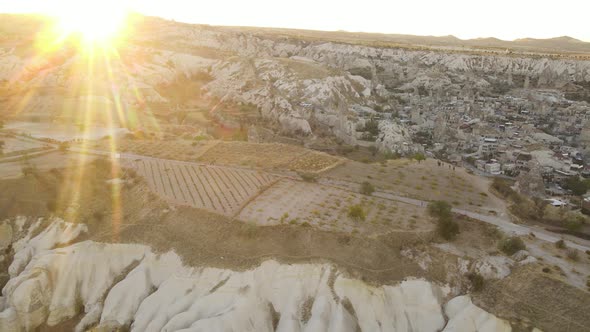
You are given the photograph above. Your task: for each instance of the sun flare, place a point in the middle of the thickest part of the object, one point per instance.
(94, 22)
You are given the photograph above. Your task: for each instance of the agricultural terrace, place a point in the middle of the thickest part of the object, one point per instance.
(15, 145)
(268, 156)
(177, 149)
(42, 162)
(218, 189)
(328, 208)
(425, 180)
(253, 155)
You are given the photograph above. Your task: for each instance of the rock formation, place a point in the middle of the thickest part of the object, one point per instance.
(292, 81)
(129, 286)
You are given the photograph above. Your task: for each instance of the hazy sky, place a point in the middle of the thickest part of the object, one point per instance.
(505, 19)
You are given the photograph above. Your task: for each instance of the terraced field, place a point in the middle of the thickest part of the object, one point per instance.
(219, 189)
(327, 207)
(14, 145)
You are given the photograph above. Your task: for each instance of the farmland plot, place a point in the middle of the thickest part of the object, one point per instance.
(18, 145)
(268, 156)
(425, 181)
(219, 189)
(326, 207)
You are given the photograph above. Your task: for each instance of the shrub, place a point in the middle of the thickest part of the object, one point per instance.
(440, 209)
(367, 188)
(448, 229)
(574, 223)
(28, 170)
(391, 155)
(446, 226)
(419, 157)
(560, 244)
(511, 245)
(572, 254)
(357, 213)
(64, 146)
(372, 127)
(309, 177)
(504, 188)
(477, 281)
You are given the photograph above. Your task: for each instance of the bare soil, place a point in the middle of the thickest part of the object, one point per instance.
(425, 180)
(327, 208)
(546, 302)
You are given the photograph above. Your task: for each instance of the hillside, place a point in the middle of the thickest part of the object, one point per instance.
(299, 82)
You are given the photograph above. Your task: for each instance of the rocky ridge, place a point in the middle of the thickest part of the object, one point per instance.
(302, 85)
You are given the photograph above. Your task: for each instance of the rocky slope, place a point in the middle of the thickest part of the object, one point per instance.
(129, 286)
(303, 85)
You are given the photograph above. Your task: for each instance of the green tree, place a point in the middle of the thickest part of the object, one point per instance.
(419, 157)
(577, 186)
(511, 245)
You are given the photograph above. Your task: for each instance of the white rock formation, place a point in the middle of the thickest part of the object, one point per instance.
(464, 316)
(125, 285)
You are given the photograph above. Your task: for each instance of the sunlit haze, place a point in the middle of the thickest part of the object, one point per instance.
(465, 19)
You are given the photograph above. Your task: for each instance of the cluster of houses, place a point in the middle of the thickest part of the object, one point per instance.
(508, 135)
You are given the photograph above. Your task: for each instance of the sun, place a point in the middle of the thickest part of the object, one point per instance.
(93, 21)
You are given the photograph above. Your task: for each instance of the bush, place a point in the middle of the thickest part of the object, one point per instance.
(574, 223)
(419, 157)
(64, 146)
(477, 281)
(446, 226)
(309, 177)
(448, 229)
(572, 254)
(560, 244)
(391, 155)
(357, 213)
(504, 188)
(367, 188)
(28, 170)
(511, 245)
(440, 209)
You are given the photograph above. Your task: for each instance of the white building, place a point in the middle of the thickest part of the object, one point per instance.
(493, 168)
